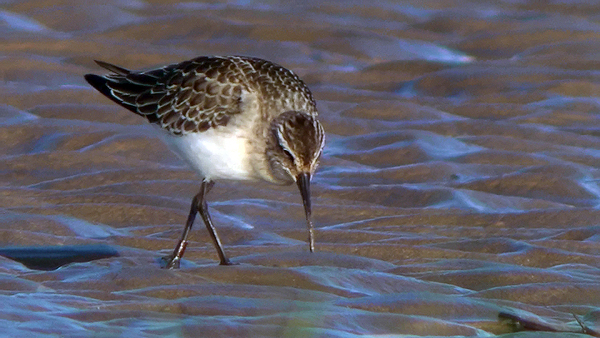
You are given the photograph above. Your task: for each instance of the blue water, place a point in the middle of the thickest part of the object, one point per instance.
(458, 183)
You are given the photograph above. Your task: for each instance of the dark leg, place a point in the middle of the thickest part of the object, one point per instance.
(203, 210)
(198, 205)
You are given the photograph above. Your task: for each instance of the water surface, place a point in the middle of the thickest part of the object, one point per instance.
(459, 182)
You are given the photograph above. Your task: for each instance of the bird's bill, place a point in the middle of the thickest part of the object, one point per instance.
(303, 181)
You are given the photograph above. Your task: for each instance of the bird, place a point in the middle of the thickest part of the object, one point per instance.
(235, 118)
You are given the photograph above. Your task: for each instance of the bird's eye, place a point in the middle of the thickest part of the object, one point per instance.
(288, 154)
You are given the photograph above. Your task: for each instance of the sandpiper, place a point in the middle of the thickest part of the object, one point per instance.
(229, 118)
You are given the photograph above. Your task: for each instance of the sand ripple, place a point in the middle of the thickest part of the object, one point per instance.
(458, 194)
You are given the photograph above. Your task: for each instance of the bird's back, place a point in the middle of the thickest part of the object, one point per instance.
(205, 92)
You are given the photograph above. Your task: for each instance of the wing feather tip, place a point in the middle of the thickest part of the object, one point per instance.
(115, 69)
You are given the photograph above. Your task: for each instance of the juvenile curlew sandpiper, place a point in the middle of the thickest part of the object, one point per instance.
(229, 118)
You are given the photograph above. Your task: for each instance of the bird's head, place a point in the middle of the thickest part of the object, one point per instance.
(295, 147)
(296, 144)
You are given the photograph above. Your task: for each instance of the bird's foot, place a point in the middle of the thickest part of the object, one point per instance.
(226, 261)
(170, 262)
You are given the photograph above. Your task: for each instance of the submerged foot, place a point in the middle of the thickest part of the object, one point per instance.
(226, 261)
(170, 262)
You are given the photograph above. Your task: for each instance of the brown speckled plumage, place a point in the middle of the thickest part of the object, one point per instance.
(236, 118)
(205, 92)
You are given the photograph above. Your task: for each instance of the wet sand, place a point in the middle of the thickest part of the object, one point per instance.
(458, 193)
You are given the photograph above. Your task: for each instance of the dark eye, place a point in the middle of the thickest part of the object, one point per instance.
(288, 154)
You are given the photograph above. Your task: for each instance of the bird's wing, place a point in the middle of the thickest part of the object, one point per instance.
(191, 96)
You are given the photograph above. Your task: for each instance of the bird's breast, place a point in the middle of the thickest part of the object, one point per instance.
(218, 154)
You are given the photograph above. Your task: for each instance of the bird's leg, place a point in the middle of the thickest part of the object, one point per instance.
(198, 205)
(203, 210)
(172, 261)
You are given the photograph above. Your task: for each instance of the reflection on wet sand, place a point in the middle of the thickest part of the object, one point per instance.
(458, 183)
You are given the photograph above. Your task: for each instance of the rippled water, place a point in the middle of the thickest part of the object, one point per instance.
(459, 186)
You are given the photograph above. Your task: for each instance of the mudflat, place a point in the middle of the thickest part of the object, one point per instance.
(457, 196)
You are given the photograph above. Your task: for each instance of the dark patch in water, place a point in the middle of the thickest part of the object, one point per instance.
(53, 257)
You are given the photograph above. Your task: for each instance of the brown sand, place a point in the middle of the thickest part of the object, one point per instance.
(457, 194)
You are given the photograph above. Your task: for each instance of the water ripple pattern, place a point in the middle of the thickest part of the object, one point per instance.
(458, 193)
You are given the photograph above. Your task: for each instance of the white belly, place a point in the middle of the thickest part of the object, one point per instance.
(215, 154)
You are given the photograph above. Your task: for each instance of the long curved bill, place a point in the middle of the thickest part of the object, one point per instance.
(303, 181)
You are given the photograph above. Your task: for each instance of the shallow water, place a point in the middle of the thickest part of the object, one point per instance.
(459, 181)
